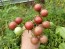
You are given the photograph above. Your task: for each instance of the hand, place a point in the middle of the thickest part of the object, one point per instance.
(26, 41)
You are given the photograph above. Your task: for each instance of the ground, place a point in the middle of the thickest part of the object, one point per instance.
(56, 10)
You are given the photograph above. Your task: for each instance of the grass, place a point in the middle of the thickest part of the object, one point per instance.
(8, 39)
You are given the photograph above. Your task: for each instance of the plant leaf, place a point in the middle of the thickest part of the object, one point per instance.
(61, 31)
(62, 46)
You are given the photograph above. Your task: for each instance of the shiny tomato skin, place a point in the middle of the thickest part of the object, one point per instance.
(12, 25)
(34, 40)
(38, 20)
(43, 39)
(38, 31)
(18, 20)
(29, 25)
(46, 24)
(44, 13)
(37, 7)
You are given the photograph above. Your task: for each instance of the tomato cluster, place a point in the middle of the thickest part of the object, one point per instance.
(40, 25)
(13, 25)
(38, 29)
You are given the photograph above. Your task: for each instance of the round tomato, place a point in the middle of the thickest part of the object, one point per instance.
(38, 20)
(18, 30)
(18, 20)
(29, 25)
(12, 25)
(44, 12)
(38, 31)
(43, 39)
(37, 7)
(34, 40)
(46, 24)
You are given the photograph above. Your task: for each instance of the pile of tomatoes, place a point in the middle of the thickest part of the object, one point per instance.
(37, 25)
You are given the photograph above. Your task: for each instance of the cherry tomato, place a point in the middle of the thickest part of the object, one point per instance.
(29, 25)
(37, 7)
(44, 12)
(18, 20)
(34, 40)
(18, 30)
(43, 39)
(38, 31)
(12, 25)
(38, 20)
(46, 24)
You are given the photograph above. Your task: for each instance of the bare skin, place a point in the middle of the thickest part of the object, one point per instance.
(26, 41)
